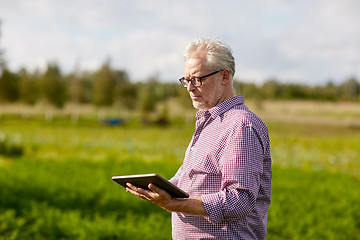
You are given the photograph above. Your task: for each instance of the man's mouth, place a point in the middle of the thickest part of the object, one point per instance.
(195, 97)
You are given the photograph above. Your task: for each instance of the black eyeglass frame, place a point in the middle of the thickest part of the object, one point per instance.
(185, 82)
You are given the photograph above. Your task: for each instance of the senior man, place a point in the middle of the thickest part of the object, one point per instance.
(227, 165)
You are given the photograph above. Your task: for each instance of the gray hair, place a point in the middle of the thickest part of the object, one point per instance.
(218, 54)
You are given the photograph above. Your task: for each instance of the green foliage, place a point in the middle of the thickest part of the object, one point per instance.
(104, 86)
(125, 92)
(184, 98)
(273, 89)
(309, 204)
(147, 97)
(350, 90)
(109, 87)
(53, 86)
(126, 95)
(10, 146)
(76, 88)
(87, 85)
(316, 147)
(61, 188)
(28, 87)
(76, 200)
(9, 86)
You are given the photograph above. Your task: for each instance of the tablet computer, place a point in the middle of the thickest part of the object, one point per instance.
(143, 180)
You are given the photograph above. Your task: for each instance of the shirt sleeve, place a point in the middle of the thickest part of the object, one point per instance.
(242, 167)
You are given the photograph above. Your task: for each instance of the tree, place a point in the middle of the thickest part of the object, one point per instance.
(28, 87)
(184, 98)
(147, 99)
(250, 90)
(104, 86)
(9, 86)
(294, 91)
(272, 89)
(77, 87)
(53, 86)
(329, 92)
(125, 92)
(349, 90)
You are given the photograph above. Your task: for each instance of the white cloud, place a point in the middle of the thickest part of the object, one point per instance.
(298, 40)
(152, 52)
(325, 42)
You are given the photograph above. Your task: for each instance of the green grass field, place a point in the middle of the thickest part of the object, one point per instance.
(61, 187)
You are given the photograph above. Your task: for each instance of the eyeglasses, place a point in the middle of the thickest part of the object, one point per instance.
(196, 81)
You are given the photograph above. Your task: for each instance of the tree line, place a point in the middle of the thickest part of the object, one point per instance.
(108, 87)
(349, 90)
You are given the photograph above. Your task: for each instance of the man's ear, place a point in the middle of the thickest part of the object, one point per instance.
(226, 76)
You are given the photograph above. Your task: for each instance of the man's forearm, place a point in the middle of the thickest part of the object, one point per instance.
(193, 206)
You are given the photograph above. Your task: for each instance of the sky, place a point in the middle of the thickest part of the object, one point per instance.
(300, 41)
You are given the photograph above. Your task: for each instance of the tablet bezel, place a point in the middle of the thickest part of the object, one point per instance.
(143, 180)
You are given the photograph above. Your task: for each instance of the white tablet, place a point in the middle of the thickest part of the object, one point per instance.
(143, 180)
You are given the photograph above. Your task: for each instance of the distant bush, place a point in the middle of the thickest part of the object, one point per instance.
(10, 146)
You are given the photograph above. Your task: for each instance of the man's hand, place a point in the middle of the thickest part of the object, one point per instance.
(160, 197)
(155, 195)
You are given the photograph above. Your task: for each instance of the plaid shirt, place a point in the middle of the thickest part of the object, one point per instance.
(228, 164)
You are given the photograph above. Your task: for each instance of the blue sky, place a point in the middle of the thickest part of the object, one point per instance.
(309, 41)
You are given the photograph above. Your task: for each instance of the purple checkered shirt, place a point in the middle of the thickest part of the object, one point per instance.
(228, 164)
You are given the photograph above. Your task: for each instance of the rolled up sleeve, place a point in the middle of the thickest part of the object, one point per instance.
(233, 205)
(241, 170)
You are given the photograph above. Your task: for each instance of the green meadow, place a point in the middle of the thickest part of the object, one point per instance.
(55, 175)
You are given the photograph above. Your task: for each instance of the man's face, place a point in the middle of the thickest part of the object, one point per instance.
(211, 91)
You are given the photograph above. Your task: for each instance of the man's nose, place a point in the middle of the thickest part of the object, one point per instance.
(190, 87)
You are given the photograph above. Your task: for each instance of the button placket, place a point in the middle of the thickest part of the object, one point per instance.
(199, 127)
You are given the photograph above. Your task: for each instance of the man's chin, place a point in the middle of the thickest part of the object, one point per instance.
(199, 105)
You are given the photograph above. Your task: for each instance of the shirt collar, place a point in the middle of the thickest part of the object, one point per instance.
(221, 107)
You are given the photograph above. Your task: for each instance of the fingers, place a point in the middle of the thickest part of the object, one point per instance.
(156, 189)
(139, 192)
(153, 195)
(160, 196)
(153, 187)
